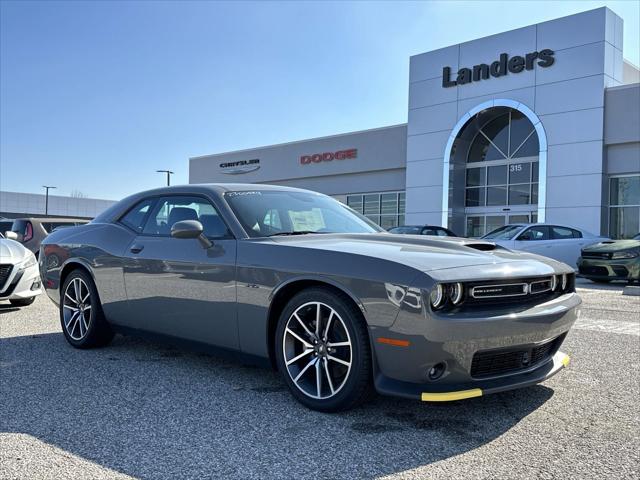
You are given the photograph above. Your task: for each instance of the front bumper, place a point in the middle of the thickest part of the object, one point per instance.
(604, 269)
(22, 284)
(428, 339)
(425, 392)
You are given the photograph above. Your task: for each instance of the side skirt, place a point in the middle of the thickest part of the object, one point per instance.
(194, 346)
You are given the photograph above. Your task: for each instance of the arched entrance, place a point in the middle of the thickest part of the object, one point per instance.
(495, 169)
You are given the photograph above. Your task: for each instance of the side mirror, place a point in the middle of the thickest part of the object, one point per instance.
(190, 229)
(12, 236)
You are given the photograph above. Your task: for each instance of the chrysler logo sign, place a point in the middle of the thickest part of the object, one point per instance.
(498, 68)
(242, 166)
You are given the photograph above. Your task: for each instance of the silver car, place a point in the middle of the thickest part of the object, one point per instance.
(559, 242)
(295, 280)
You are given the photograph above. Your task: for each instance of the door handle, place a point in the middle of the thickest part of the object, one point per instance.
(136, 248)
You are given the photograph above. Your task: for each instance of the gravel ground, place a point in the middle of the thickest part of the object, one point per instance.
(141, 410)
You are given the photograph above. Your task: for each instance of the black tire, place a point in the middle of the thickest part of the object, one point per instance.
(98, 332)
(22, 302)
(357, 384)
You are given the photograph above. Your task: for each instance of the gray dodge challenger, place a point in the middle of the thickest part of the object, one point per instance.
(300, 282)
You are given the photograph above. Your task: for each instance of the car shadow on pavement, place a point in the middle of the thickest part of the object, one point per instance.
(151, 411)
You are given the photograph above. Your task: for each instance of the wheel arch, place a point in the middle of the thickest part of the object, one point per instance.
(71, 265)
(284, 292)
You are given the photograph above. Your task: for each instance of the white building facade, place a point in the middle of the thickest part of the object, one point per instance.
(541, 123)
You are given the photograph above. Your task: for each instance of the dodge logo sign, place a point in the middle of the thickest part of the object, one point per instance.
(329, 156)
(242, 166)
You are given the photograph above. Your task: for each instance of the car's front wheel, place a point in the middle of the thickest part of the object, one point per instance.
(81, 317)
(323, 351)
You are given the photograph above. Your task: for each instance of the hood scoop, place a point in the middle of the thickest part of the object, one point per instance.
(483, 247)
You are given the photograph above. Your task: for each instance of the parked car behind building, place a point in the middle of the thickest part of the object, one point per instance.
(31, 231)
(554, 241)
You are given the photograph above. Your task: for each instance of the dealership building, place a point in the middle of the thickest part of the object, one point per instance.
(538, 124)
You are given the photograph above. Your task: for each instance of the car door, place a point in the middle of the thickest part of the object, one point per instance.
(535, 239)
(567, 243)
(176, 286)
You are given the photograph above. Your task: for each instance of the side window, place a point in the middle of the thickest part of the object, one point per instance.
(562, 233)
(272, 219)
(535, 233)
(135, 217)
(170, 210)
(441, 232)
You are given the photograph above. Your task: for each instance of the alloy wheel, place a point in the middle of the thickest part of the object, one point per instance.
(76, 306)
(317, 350)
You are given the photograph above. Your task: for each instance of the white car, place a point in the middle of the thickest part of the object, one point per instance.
(19, 275)
(559, 242)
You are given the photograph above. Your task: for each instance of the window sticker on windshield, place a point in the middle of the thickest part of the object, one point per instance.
(238, 194)
(307, 220)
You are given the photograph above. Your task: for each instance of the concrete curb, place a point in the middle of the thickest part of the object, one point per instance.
(631, 290)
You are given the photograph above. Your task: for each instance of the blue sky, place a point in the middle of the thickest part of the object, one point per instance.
(95, 96)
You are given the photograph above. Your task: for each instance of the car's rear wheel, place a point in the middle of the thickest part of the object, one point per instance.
(323, 351)
(81, 317)
(22, 302)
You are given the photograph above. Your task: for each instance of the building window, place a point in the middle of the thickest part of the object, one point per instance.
(511, 183)
(384, 208)
(624, 206)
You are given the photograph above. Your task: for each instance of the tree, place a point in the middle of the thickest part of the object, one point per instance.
(75, 193)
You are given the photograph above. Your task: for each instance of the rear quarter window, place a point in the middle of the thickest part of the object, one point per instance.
(136, 216)
(564, 233)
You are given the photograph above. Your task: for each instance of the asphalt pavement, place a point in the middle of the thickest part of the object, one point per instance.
(136, 409)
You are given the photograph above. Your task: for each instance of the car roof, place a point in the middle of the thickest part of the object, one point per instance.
(419, 226)
(219, 188)
(549, 224)
(52, 219)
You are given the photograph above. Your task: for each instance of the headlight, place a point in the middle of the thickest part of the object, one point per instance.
(624, 254)
(565, 279)
(554, 282)
(456, 291)
(29, 262)
(437, 296)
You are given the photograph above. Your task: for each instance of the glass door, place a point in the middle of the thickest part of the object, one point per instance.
(479, 224)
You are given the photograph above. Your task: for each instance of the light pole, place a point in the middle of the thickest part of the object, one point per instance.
(46, 198)
(169, 173)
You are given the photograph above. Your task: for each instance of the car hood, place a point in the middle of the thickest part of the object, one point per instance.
(12, 252)
(423, 253)
(612, 246)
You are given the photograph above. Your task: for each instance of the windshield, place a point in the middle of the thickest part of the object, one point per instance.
(265, 213)
(503, 233)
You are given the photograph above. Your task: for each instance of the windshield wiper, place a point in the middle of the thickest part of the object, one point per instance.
(299, 232)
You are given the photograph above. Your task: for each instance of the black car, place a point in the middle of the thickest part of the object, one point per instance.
(423, 230)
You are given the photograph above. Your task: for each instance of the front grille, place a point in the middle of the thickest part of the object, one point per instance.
(522, 291)
(598, 255)
(589, 270)
(620, 271)
(491, 363)
(5, 271)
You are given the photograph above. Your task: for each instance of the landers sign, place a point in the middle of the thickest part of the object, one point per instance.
(498, 68)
